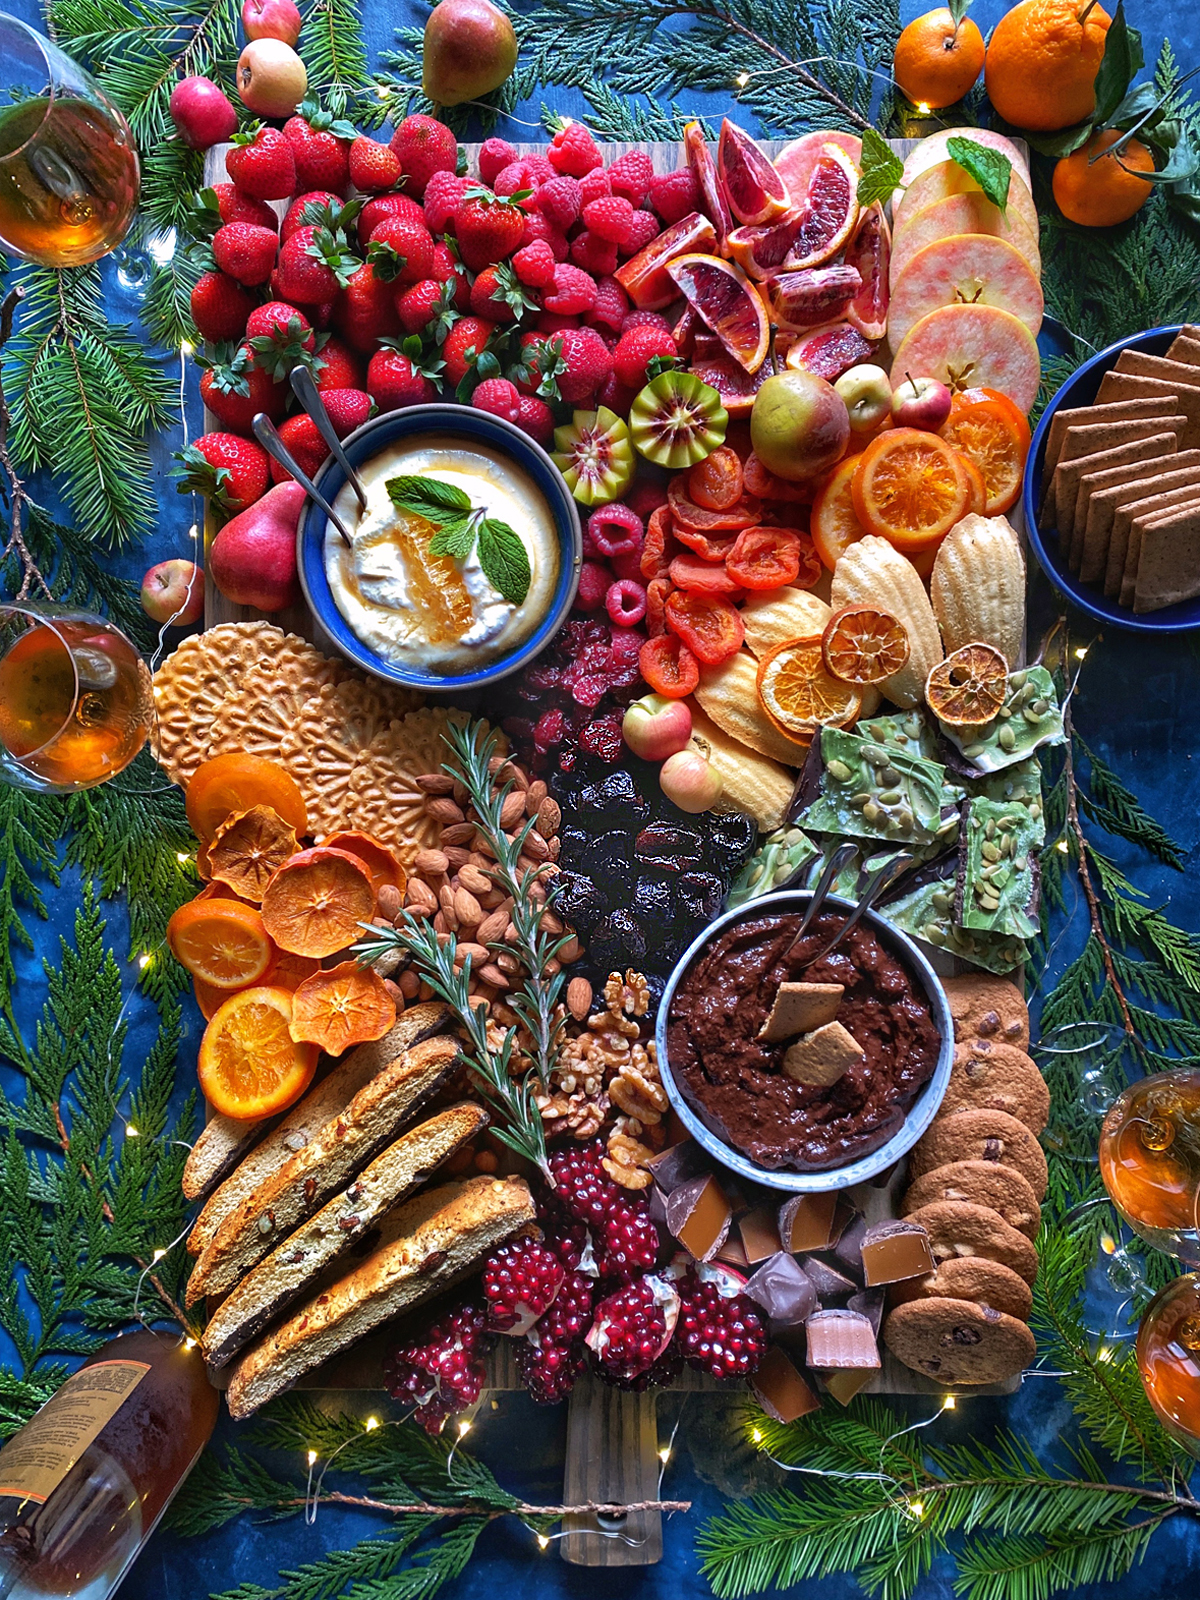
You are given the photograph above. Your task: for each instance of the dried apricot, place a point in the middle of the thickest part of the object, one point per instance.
(249, 1064)
(716, 482)
(221, 941)
(770, 558)
(318, 901)
(687, 514)
(668, 666)
(235, 782)
(707, 624)
(249, 848)
(340, 1006)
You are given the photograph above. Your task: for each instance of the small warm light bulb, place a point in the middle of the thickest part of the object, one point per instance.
(742, 79)
(312, 1458)
(1108, 1244)
(382, 91)
(159, 1254)
(756, 1435)
(922, 109)
(464, 1428)
(664, 1455)
(1104, 1353)
(189, 1343)
(182, 857)
(372, 1424)
(543, 1541)
(1063, 846)
(948, 1403)
(130, 1131)
(1081, 651)
(144, 962)
(186, 348)
(917, 1507)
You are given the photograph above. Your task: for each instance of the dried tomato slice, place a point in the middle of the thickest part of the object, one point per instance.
(668, 666)
(657, 591)
(716, 482)
(698, 576)
(707, 623)
(688, 514)
(659, 546)
(764, 558)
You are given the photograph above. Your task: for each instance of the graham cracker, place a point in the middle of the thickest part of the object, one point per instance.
(1133, 554)
(1068, 473)
(1077, 416)
(1118, 544)
(1186, 347)
(1180, 396)
(1169, 564)
(1181, 376)
(1092, 482)
(1096, 513)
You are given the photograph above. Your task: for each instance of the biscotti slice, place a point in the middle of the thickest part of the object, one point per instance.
(326, 1164)
(220, 1146)
(297, 1263)
(306, 1119)
(432, 1241)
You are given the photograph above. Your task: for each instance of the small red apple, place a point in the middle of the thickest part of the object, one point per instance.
(271, 19)
(271, 79)
(173, 592)
(202, 112)
(655, 727)
(689, 781)
(920, 403)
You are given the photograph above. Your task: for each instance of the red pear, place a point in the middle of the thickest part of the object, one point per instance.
(470, 49)
(253, 558)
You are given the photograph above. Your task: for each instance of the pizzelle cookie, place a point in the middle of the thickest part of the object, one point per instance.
(265, 702)
(987, 1283)
(986, 1007)
(980, 1136)
(987, 1076)
(958, 1228)
(958, 1342)
(191, 685)
(981, 1183)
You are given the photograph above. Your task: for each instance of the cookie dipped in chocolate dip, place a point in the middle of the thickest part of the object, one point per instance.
(735, 1080)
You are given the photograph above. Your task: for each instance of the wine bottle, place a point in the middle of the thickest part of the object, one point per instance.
(84, 1482)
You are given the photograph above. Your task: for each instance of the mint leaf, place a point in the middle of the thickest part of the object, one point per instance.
(428, 497)
(991, 169)
(455, 538)
(881, 168)
(504, 560)
(1123, 58)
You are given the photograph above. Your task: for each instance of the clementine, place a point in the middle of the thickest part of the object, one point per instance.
(937, 60)
(1042, 62)
(1099, 190)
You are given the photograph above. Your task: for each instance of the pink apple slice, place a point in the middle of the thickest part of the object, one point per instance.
(869, 253)
(972, 347)
(795, 162)
(828, 351)
(968, 269)
(935, 148)
(959, 213)
(947, 178)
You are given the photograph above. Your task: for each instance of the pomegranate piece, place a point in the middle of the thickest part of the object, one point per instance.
(644, 277)
(829, 351)
(720, 1329)
(699, 158)
(520, 1281)
(814, 295)
(633, 1327)
(442, 1371)
(869, 253)
(553, 1353)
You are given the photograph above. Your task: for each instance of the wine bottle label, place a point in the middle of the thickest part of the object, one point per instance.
(35, 1461)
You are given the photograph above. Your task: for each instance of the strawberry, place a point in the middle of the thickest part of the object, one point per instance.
(320, 146)
(643, 226)
(337, 367)
(261, 163)
(234, 206)
(386, 205)
(534, 264)
(443, 196)
(609, 217)
(235, 390)
(316, 209)
(588, 364)
(574, 291)
(280, 337)
(630, 176)
(303, 439)
(348, 409)
(401, 250)
(396, 378)
(245, 251)
(611, 305)
(416, 307)
(560, 201)
(446, 268)
(466, 340)
(556, 321)
(635, 349)
(488, 228)
(313, 266)
(574, 151)
(364, 312)
(617, 398)
(423, 146)
(232, 472)
(675, 195)
(594, 254)
(498, 293)
(541, 362)
(220, 307)
(499, 397)
(374, 167)
(539, 227)
(536, 418)
(494, 155)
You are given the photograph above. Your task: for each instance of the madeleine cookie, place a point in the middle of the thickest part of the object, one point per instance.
(984, 1007)
(980, 1136)
(958, 1228)
(980, 1183)
(987, 1283)
(988, 1076)
(956, 1341)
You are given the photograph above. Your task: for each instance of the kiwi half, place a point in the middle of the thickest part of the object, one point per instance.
(594, 455)
(677, 420)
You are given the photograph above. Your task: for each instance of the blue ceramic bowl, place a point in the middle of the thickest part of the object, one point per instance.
(920, 1114)
(1080, 390)
(472, 427)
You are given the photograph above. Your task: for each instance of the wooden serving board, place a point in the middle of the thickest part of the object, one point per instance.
(612, 1437)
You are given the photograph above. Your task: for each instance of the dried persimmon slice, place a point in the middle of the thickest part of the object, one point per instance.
(317, 902)
(376, 857)
(968, 687)
(235, 782)
(862, 645)
(340, 1006)
(249, 848)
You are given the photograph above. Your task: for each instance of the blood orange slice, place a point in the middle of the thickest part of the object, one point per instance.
(968, 687)
(699, 158)
(959, 214)
(830, 210)
(755, 191)
(869, 253)
(799, 693)
(713, 365)
(815, 295)
(795, 161)
(973, 347)
(971, 269)
(760, 251)
(828, 351)
(727, 303)
(644, 277)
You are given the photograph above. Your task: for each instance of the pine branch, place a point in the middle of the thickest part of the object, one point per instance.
(1117, 810)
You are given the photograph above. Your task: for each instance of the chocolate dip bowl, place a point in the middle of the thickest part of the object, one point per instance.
(912, 1115)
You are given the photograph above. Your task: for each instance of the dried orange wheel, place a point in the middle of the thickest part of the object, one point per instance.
(377, 858)
(909, 488)
(968, 687)
(250, 1066)
(834, 523)
(996, 439)
(798, 693)
(861, 645)
(340, 1006)
(249, 849)
(317, 902)
(235, 782)
(222, 942)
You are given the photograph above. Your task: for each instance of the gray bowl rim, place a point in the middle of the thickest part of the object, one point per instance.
(920, 1114)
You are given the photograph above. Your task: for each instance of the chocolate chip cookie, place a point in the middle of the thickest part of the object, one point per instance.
(958, 1342)
(982, 1183)
(985, 1007)
(958, 1228)
(988, 1076)
(980, 1136)
(975, 1278)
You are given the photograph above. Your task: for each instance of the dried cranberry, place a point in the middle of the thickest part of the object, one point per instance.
(602, 738)
(549, 731)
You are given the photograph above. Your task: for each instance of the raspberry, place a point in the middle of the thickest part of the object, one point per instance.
(594, 254)
(498, 396)
(539, 227)
(520, 1281)
(615, 530)
(517, 175)
(645, 319)
(594, 187)
(594, 583)
(559, 201)
(645, 498)
(629, 563)
(625, 602)
(609, 217)
(443, 193)
(534, 265)
(573, 291)
(552, 322)
(574, 151)
(588, 364)
(494, 156)
(536, 418)
(636, 349)
(630, 176)
(643, 227)
(674, 195)
(611, 305)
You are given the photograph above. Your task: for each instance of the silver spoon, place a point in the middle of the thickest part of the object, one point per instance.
(881, 880)
(267, 434)
(840, 858)
(305, 389)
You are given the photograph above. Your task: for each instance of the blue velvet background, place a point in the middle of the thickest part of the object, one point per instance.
(1136, 706)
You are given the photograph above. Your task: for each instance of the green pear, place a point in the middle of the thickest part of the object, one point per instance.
(470, 49)
(799, 426)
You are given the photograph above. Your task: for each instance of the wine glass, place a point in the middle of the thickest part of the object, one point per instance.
(1150, 1160)
(1168, 1358)
(68, 166)
(75, 698)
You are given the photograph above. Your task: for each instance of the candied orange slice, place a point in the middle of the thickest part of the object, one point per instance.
(285, 972)
(377, 858)
(968, 687)
(249, 1064)
(834, 523)
(909, 488)
(863, 645)
(340, 1006)
(995, 438)
(249, 848)
(976, 488)
(235, 782)
(221, 941)
(317, 902)
(798, 692)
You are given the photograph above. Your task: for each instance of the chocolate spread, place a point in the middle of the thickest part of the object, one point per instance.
(735, 1080)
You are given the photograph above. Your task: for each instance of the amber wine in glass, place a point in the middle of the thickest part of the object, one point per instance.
(1150, 1160)
(1168, 1358)
(68, 167)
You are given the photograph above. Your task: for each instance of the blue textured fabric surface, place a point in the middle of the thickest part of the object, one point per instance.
(1136, 707)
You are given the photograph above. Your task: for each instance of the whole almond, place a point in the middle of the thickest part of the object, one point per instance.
(579, 998)
(470, 877)
(431, 863)
(554, 846)
(440, 926)
(446, 897)
(442, 809)
(507, 962)
(512, 810)
(553, 967)
(394, 993)
(491, 899)
(410, 984)
(533, 799)
(435, 783)
(492, 927)
(460, 793)
(479, 954)
(457, 856)
(387, 963)
(492, 974)
(550, 923)
(549, 817)
(536, 847)
(419, 896)
(467, 909)
(571, 951)
(458, 833)
(510, 933)
(390, 900)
